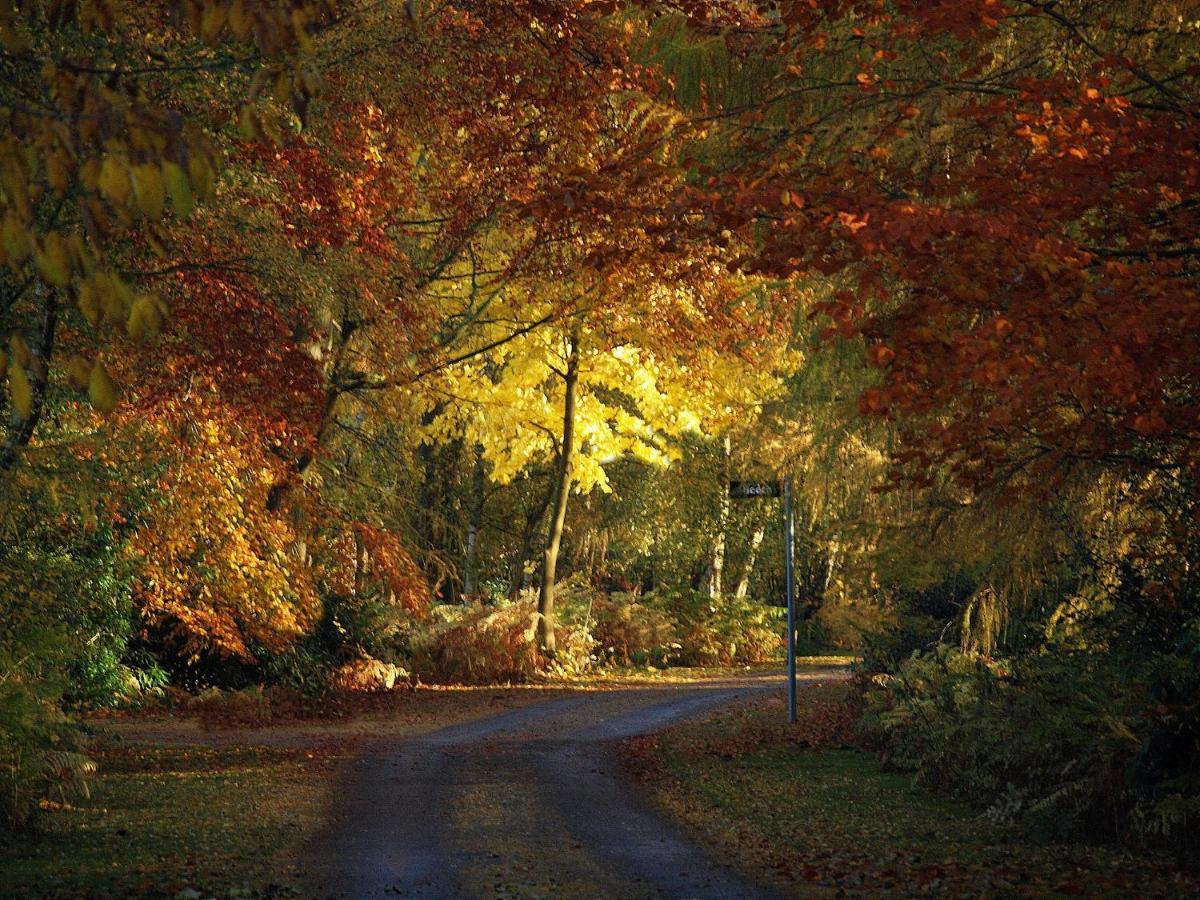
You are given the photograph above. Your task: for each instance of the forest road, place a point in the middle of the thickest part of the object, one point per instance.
(531, 802)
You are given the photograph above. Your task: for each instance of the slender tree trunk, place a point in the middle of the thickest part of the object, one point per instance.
(743, 585)
(470, 564)
(559, 515)
(717, 575)
(831, 563)
(360, 565)
(518, 572)
(21, 432)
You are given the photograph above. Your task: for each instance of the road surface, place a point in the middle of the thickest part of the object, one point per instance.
(527, 803)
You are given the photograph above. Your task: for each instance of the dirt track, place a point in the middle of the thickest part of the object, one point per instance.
(526, 803)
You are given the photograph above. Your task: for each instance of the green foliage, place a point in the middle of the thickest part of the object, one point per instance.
(1060, 742)
(364, 625)
(40, 754)
(629, 632)
(720, 631)
(304, 667)
(64, 628)
(796, 802)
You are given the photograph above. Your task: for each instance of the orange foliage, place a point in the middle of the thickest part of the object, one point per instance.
(214, 565)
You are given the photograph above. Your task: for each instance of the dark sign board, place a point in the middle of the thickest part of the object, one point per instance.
(748, 490)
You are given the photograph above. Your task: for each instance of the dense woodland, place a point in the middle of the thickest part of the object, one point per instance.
(343, 338)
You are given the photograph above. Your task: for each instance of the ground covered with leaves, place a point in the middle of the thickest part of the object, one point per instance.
(173, 821)
(218, 796)
(805, 808)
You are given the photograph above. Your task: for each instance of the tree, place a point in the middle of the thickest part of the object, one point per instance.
(102, 153)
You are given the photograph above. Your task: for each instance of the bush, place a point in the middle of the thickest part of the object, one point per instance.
(1062, 742)
(364, 626)
(40, 755)
(630, 633)
(483, 642)
(887, 650)
(304, 668)
(721, 631)
(476, 643)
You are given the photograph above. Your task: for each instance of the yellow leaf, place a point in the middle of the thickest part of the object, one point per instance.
(246, 126)
(101, 389)
(178, 188)
(58, 172)
(89, 175)
(89, 302)
(114, 181)
(20, 351)
(239, 20)
(79, 373)
(282, 91)
(20, 391)
(212, 22)
(16, 239)
(148, 186)
(145, 318)
(117, 300)
(201, 175)
(54, 260)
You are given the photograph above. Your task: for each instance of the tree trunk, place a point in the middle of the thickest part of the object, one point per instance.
(831, 563)
(563, 484)
(21, 431)
(743, 585)
(518, 578)
(470, 564)
(717, 573)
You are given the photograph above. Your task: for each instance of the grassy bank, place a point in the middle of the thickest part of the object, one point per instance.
(801, 807)
(169, 820)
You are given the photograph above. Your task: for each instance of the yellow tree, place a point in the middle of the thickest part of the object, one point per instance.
(570, 394)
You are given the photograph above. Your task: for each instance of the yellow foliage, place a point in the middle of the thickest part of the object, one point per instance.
(101, 389)
(148, 188)
(17, 244)
(629, 404)
(19, 390)
(54, 260)
(20, 351)
(79, 373)
(178, 188)
(114, 180)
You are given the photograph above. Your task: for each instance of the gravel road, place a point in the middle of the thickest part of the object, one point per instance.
(526, 803)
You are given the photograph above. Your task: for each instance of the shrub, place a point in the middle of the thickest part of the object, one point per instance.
(304, 668)
(1064, 742)
(40, 756)
(477, 644)
(627, 632)
(721, 631)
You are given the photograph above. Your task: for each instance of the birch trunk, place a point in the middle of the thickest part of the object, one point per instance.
(557, 520)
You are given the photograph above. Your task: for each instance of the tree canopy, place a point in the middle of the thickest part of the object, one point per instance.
(330, 325)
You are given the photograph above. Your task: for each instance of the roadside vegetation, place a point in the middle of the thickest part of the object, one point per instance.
(814, 810)
(169, 820)
(349, 347)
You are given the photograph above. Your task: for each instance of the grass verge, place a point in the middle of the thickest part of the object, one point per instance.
(800, 807)
(173, 821)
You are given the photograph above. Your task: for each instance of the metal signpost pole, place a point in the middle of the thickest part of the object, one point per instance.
(790, 578)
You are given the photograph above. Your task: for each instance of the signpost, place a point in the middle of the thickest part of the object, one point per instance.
(789, 537)
(751, 490)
